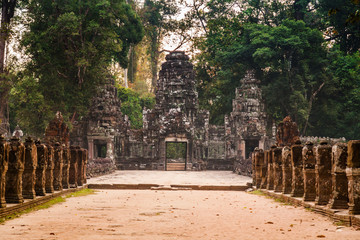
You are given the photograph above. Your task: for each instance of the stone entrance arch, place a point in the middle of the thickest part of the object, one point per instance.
(176, 154)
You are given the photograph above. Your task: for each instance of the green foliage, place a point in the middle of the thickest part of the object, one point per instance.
(71, 45)
(28, 106)
(290, 61)
(132, 105)
(342, 23)
(176, 150)
(338, 110)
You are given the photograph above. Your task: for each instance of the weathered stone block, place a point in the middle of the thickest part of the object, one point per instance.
(323, 173)
(259, 162)
(297, 185)
(286, 170)
(4, 159)
(66, 166)
(42, 156)
(73, 173)
(309, 172)
(58, 167)
(264, 171)
(13, 193)
(339, 197)
(353, 175)
(29, 174)
(277, 163)
(270, 171)
(85, 160)
(80, 167)
(49, 173)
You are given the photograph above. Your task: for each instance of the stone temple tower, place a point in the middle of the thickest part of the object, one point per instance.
(248, 118)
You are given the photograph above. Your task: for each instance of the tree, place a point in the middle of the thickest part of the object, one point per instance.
(343, 20)
(72, 44)
(7, 13)
(290, 60)
(160, 19)
(132, 105)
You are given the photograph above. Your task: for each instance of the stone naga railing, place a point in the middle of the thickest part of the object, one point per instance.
(324, 174)
(33, 169)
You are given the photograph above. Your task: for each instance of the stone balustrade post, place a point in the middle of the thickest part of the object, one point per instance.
(323, 183)
(353, 176)
(339, 197)
(309, 172)
(13, 192)
(264, 171)
(66, 166)
(286, 170)
(73, 167)
(29, 174)
(277, 163)
(259, 162)
(85, 159)
(49, 173)
(4, 160)
(58, 166)
(42, 155)
(270, 170)
(80, 168)
(297, 184)
(253, 167)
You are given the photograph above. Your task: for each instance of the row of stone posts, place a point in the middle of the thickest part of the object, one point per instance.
(33, 169)
(327, 175)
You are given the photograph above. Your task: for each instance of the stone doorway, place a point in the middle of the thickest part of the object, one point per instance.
(175, 157)
(250, 145)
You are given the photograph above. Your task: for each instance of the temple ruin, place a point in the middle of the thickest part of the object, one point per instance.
(175, 123)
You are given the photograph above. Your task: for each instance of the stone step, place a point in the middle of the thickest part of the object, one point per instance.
(175, 167)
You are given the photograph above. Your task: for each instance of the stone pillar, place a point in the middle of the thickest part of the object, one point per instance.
(4, 159)
(49, 173)
(309, 172)
(264, 168)
(287, 170)
(259, 162)
(66, 166)
(80, 167)
(297, 184)
(339, 197)
(353, 176)
(277, 162)
(323, 173)
(29, 174)
(85, 159)
(42, 155)
(13, 193)
(270, 170)
(73, 167)
(58, 165)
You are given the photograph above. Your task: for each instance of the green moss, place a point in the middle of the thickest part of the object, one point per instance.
(48, 204)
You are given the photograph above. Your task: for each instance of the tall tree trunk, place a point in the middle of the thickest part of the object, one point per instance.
(7, 13)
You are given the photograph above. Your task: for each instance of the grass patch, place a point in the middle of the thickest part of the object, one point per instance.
(257, 192)
(82, 192)
(339, 223)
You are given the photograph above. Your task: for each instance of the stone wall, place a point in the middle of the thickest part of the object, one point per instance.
(176, 117)
(33, 169)
(324, 175)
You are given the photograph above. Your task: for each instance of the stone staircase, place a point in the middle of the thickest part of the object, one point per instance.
(175, 167)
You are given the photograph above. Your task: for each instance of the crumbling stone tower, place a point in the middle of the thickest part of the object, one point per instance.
(247, 122)
(176, 110)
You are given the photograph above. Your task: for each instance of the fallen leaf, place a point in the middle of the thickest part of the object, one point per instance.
(320, 236)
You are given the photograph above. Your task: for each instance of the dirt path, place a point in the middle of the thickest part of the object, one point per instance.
(152, 215)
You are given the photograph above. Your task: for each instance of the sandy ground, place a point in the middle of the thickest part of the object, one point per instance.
(149, 214)
(217, 178)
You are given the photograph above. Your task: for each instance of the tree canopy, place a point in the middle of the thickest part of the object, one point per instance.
(71, 45)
